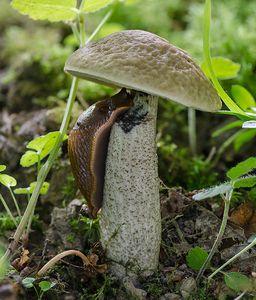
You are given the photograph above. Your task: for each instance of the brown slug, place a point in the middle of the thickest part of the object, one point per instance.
(88, 146)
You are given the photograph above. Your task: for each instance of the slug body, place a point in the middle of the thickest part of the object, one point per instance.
(88, 146)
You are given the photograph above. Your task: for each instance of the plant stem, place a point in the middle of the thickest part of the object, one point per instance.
(207, 57)
(192, 130)
(38, 164)
(215, 246)
(8, 211)
(252, 244)
(15, 201)
(103, 21)
(30, 221)
(59, 256)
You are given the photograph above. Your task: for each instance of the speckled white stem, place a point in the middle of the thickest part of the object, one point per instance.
(130, 221)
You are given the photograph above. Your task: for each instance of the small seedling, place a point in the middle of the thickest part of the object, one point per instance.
(8, 182)
(40, 287)
(40, 148)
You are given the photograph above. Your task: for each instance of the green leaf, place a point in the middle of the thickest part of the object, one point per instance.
(94, 5)
(51, 10)
(29, 158)
(7, 180)
(22, 191)
(213, 191)
(242, 168)
(30, 189)
(28, 282)
(245, 182)
(237, 281)
(43, 190)
(2, 168)
(42, 146)
(46, 285)
(243, 137)
(242, 97)
(223, 68)
(240, 116)
(38, 143)
(196, 258)
(45, 143)
(227, 127)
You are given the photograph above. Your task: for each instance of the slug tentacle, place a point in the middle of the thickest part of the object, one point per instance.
(88, 146)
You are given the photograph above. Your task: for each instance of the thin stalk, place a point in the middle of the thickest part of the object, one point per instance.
(207, 57)
(30, 221)
(82, 27)
(81, 4)
(192, 130)
(215, 246)
(8, 211)
(75, 32)
(59, 256)
(15, 201)
(38, 163)
(103, 21)
(252, 244)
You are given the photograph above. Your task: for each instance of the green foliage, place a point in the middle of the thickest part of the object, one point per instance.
(5, 179)
(245, 182)
(242, 97)
(41, 147)
(242, 168)
(6, 223)
(40, 287)
(223, 68)
(2, 168)
(239, 179)
(208, 61)
(3, 266)
(57, 10)
(237, 281)
(29, 190)
(51, 10)
(223, 129)
(88, 228)
(46, 285)
(94, 5)
(196, 258)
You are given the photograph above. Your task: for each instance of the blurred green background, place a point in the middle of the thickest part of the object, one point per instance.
(33, 53)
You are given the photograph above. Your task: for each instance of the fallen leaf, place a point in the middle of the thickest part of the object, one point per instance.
(242, 214)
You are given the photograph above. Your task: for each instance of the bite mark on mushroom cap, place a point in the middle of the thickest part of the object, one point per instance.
(143, 61)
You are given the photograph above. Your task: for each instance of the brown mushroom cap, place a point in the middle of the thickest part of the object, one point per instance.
(143, 61)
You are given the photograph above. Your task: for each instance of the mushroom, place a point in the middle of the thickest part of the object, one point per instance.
(150, 67)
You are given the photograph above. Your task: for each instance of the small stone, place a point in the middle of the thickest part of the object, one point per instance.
(188, 287)
(175, 276)
(170, 296)
(136, 293)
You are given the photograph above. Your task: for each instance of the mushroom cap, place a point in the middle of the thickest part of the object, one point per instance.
(143, 61)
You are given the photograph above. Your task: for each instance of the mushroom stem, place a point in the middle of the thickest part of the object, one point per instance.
(131, 221)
